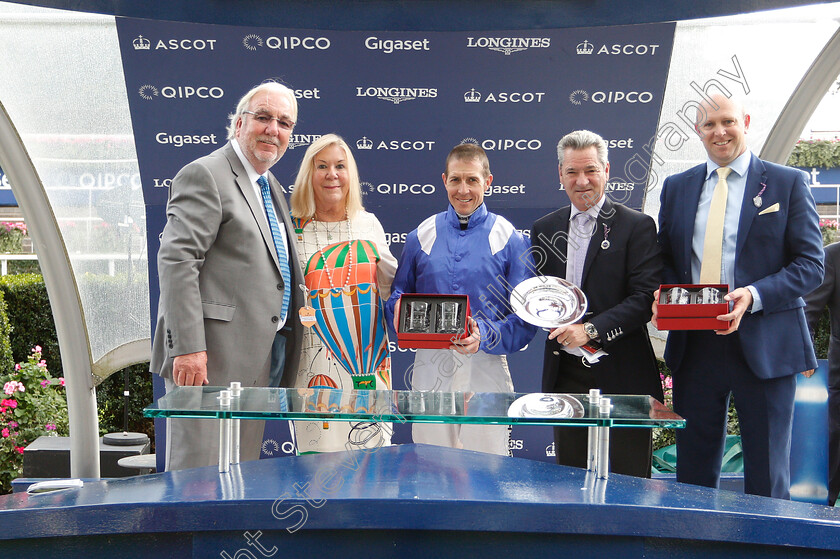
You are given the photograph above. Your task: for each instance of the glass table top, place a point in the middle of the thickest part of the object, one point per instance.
(505, 408)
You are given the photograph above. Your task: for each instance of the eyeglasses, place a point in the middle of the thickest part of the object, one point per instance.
(265, 119)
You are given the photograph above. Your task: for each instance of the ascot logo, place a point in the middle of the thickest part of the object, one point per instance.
(251, 42)
(397, 95)
(549, 450)
(365, 143)
(141, 43)
(148, 92)
(508, 45)
(473, 96)
(297, 140)
(640, 50)
(585, 48)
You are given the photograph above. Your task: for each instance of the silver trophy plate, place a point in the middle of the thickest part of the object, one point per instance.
(548, 302)
(546, 405)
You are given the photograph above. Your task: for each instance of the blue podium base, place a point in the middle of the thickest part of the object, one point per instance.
(408, 501)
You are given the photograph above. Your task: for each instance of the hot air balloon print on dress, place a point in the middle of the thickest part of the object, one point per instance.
(349, 318)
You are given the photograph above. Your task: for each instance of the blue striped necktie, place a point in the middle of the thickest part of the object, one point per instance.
(279, 245)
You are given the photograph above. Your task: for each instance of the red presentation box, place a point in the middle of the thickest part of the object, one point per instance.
(695, 315)
(432, 321)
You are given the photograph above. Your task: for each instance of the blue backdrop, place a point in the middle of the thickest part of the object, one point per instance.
(404, 99)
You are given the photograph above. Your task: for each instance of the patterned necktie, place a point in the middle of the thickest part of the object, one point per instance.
(710, 269)
(581, 233)
(279, 245)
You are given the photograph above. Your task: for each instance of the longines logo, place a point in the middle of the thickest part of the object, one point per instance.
(619, 186)
(365, 143)
(388, 46)
(641, 50)
(162, 183)
(473, 96)
(149, 92)
(142, 43)
(504, 144)
(397, 188)
(253, 42)
(297, 140)
(508, 45)
(580, 96)
(397, 95)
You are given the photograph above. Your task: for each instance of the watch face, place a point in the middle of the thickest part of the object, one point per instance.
(590, 330)
(548, 301)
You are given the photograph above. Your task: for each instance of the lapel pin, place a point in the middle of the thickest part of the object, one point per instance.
(757, 201)
(605, 244)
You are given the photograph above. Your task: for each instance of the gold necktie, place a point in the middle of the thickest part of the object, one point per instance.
(710, 270)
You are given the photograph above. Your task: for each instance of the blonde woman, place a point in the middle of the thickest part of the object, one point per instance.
(348, 270)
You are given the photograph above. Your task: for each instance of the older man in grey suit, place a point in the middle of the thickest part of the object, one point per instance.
(228, 301)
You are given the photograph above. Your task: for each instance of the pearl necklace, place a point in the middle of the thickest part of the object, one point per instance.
(320, 248)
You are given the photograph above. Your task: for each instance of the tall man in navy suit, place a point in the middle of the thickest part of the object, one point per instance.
(770, 255)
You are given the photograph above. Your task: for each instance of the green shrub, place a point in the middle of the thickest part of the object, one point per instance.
(30, 315)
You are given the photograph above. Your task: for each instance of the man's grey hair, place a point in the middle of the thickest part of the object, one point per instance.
(582, 139)
(271, 86)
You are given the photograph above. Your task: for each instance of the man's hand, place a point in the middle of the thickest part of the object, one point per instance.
(809, 373)
(742, 297)
(655, 308)
(190, 369)
(571, 335)
(468, 345)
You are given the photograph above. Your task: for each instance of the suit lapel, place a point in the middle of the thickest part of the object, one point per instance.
(255, 203)
(756, 177)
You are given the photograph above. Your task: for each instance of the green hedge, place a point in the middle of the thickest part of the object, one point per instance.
(30, 315)
(815, 153)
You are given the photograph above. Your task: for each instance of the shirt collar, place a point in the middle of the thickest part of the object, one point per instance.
(740, 166)
(253, 175)
(476, 218)
(593, 211)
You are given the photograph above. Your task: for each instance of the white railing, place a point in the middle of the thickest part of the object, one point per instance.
(112, 259)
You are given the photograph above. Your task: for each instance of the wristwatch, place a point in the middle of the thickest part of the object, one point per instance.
(590, 330)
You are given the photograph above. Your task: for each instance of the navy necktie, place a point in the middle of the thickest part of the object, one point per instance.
(279, 245)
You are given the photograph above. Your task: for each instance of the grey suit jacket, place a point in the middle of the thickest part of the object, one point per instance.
(220, 283)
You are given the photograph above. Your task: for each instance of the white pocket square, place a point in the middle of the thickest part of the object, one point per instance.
(771, 209)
